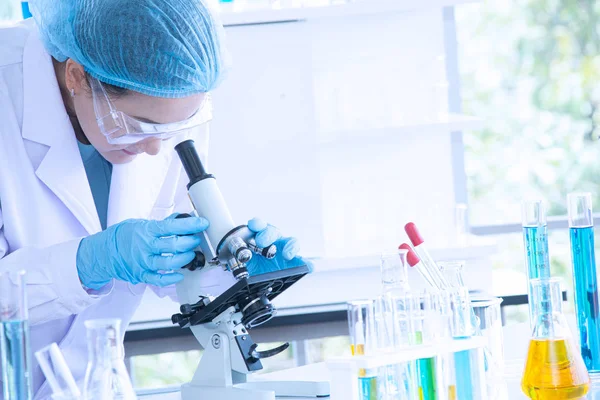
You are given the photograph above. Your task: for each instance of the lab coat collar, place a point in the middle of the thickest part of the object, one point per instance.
(134, 186)
(45, 121)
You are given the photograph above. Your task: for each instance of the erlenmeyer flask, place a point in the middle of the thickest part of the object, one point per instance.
(554, 368)
(106, 377)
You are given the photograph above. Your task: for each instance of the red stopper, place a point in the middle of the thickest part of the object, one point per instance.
(411, 257)
(413, 234)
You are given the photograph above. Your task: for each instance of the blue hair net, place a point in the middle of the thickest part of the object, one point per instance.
(163, 48)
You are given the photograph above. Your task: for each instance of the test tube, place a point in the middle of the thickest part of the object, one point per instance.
(57, 373)
(394, 271)
(426, 368)
(462, 324)
(535, 239)
(402, 311)
(585, 279)
(14, 337)
(362, 340)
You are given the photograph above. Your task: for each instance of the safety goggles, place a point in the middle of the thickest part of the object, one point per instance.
(120, 128)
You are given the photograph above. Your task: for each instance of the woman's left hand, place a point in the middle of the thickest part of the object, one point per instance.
(287, 250)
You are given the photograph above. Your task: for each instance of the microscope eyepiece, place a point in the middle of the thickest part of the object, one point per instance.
(191, 162)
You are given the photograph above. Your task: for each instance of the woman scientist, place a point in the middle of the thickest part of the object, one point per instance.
(86, 207)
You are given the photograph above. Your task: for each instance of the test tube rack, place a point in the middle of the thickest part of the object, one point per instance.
(344, 371)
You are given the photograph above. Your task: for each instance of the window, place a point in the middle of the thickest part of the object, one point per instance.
(530, 69)
(10, 10)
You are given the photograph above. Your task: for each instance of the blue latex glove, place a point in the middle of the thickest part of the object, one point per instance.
(287, 250)
(136, 249)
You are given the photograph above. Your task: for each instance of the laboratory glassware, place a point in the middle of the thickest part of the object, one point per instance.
(489, 318)
(404, 336)
(554, 368)
(441, 325)
(535, 240)
(106, 377)
(361, 321)
(57, 373)
(428, 263)
(391, 378)
(423, 335)
(462, 324)
(585, 277)
(394, 274)
(14, 337)
(413, 260)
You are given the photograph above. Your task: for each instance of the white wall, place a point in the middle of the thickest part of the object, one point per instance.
(308, 131)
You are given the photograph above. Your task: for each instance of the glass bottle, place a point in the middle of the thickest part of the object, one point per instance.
(14, 337)
(106, 377)
(554, 367)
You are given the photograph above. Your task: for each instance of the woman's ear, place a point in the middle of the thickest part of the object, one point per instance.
(75, 77)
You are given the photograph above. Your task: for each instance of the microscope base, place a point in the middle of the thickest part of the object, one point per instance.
(189, 392)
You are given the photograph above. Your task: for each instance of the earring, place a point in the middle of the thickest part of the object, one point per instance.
(72, 92)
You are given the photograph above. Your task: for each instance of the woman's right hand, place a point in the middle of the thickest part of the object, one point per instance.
(136, 249)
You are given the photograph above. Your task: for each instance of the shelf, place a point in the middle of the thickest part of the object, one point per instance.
(230, 16)
(450, 123)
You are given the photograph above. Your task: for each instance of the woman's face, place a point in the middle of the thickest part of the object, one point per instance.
(146, 108)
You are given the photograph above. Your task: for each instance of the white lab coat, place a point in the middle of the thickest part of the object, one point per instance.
(46, 205)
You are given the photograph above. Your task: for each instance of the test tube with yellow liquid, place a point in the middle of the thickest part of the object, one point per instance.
(554, 369)
(362, 334)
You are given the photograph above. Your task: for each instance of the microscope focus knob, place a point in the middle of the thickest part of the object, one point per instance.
(199, 260)
(179, 319)
(186, 309)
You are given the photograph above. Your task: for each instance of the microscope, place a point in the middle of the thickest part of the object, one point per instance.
(221, 323)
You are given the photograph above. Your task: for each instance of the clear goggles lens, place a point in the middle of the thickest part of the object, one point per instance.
(120, 128)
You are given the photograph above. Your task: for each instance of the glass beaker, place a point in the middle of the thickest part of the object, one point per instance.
(106, 377)
(554, 367)
(14, 337)
(394, 271)
(57, 373)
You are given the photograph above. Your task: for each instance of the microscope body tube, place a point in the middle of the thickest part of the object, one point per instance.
(210, 204)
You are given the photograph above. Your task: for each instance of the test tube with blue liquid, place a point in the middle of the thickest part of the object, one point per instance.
(535, 239)
(585, 277)
(14, 337)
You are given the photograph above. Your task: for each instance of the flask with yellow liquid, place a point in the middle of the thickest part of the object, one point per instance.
(554, 369)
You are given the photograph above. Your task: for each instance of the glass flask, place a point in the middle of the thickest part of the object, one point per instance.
(14, 337)
(106, 377)
(554, 367)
